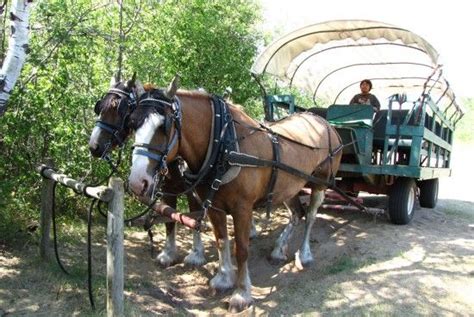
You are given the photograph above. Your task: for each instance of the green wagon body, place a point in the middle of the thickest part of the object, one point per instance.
(406, 143)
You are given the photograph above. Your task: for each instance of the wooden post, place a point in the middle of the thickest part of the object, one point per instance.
(115, 252)
(46, 215)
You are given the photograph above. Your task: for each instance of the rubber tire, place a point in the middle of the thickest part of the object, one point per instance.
(401, 201)
(429, 192)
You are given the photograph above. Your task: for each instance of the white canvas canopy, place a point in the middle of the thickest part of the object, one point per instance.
(330, 59)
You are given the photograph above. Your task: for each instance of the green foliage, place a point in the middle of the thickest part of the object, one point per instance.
(74, 49)
(464, 129)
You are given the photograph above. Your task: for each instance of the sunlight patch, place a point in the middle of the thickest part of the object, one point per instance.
(6, 271)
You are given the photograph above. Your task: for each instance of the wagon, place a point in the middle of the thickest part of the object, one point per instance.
(400, 151)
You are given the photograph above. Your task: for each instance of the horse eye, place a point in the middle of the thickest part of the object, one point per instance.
(135, 122)
(132, 124)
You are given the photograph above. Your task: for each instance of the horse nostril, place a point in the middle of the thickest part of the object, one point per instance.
(145, 187)
(95, 149)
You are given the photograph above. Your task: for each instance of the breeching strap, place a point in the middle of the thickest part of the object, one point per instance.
(273, 177)
(242, 159)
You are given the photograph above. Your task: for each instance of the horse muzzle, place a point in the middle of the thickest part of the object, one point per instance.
(95, 149)
(141, 186)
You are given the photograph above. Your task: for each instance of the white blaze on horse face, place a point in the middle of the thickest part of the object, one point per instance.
(143, 135)
(94, 135)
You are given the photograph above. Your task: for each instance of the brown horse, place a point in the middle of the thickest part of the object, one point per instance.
(181, 123)
(112, 130)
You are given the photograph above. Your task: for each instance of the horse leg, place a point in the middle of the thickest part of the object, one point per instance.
(196, 256)
(303, 255)
(241, 298)
(169, 254)
(253, 230)
(280, 251)
(225, 276)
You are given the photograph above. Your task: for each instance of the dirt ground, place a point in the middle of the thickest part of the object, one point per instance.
(364, 266)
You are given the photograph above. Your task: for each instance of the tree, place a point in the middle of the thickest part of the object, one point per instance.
(17, 49)
(72, 54)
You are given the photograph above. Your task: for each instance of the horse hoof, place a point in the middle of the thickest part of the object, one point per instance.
(302, 262)
(240, 302)
(165, 260)
(195, 259)
(222, 282)
(245, 311)
(276, 261)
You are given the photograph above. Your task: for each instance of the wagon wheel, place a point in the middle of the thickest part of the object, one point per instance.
(401, 202)
(428, 192)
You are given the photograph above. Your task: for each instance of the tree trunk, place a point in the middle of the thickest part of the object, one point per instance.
(17, 49)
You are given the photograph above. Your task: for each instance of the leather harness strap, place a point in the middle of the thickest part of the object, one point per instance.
(242, 159)
(273, 177)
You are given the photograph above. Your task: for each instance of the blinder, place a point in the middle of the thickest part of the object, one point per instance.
(160, 104)
(97, 108)
(123, 107)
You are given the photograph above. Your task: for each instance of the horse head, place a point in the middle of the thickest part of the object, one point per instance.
(157, 122)
(114, 109)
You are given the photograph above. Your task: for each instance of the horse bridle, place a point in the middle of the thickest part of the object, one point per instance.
(174, 117)
(127, 103)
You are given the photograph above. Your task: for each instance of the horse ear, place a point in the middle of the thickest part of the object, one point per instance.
(114, 80)
(131, 82)
(140, 89)
(173, 87)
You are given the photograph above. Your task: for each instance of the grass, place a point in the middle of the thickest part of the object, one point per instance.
(346, 263)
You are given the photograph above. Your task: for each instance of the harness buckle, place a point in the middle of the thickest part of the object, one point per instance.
(164, 166)
(215, 184)
(273, 137)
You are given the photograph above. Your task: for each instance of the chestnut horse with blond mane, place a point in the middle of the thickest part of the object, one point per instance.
(294, 151)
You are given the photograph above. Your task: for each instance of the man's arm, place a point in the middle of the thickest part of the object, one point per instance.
(374, 102)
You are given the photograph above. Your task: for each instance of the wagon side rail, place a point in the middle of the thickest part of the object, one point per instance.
(419, 140)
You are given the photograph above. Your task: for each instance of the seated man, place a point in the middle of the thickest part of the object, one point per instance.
(365, 97)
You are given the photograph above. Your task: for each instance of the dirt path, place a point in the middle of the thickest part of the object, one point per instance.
(362, 267)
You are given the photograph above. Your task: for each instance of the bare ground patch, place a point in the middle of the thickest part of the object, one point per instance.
(361, 267)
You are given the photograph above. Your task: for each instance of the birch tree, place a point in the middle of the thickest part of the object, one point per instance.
(17, 49)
